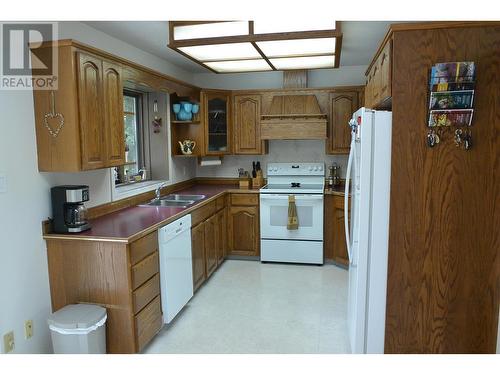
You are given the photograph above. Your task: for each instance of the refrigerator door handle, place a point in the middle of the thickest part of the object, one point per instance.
(352, 155)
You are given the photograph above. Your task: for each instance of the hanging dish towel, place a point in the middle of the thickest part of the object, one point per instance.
(293, 220)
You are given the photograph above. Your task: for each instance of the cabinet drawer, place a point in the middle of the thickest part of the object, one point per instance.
(144, 246)
(147, 292)
(144, 270)
(245, 199)
(202, 213)
(220, 203)
(148, 322)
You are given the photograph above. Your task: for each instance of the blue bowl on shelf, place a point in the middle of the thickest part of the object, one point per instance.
(184, 115)
(186, 106)
(196, 108)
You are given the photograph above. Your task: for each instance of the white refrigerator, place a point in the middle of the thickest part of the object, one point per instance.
(368, 173)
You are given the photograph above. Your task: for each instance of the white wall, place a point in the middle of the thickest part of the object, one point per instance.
(99, 181)
(279, 151)
(344, 76)
(95, 38)
(24, 291)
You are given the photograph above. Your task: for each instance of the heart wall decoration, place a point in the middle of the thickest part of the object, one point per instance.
(53, 116)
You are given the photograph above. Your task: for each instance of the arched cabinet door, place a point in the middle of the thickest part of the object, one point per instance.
(247, 113)
(113, 104)
(92, 124)
(243, 230)
(342, 106)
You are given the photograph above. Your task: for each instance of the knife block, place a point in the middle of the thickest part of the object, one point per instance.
(258, 181)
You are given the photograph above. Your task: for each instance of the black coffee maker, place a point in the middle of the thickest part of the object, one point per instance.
(69, 214)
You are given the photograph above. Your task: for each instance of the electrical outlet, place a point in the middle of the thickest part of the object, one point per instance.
(3, 183)
(28, 329)
(8, 342)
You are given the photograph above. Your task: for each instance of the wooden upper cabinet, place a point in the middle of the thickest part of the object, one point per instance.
(90, 102)
(342, 106)
(379, 79)
(247, 112)
(84, 115)
(217, 123)
(113, 105)
(385, 72)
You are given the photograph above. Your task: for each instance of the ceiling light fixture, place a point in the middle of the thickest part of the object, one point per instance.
(248, 46)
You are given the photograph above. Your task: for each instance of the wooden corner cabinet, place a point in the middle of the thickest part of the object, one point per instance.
(208, 239)
(217, 122)
(123, 278)
(342, 105)
(335, 247)
(246, 125)
(79, 126)
(243, 225)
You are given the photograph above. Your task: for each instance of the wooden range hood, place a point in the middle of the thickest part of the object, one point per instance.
(294, 117)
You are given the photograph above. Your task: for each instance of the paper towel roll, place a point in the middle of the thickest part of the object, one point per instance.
(210, 162)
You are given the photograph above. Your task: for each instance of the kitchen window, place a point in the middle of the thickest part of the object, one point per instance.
(147, 140)
(135, 164)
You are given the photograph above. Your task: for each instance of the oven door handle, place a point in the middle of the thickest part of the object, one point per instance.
(285, 197)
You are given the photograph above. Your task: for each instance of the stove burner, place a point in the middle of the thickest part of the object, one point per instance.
(295, 184)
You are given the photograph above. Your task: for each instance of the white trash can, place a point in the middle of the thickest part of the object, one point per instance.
(79, 329)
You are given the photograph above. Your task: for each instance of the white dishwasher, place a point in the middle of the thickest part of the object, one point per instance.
(176, 266)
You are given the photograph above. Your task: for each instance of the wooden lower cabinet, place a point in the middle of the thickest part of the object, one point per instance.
(208, 242)
(198, 253)
(335, 247)
(123, 278)
(221, 235)
(211, 245)
(243, 226)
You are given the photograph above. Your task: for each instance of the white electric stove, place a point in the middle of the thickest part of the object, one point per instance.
(306, 182)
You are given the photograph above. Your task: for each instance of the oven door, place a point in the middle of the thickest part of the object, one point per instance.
(274, 217)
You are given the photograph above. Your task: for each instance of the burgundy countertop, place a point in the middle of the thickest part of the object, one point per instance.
(127, 224)
(131, 223)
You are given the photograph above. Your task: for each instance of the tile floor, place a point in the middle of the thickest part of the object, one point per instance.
(250, 307)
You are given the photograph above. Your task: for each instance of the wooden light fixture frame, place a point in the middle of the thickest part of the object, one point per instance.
(253, 38)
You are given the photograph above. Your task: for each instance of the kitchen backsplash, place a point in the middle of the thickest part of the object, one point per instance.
(279, 151)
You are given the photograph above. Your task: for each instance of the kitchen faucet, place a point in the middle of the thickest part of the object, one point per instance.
(158, 190)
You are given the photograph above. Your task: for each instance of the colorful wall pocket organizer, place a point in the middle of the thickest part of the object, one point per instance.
(451, 102)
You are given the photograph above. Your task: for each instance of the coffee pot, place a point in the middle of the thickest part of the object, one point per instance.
(187, 146)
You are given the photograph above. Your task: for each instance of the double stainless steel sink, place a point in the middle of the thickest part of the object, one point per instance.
(176, 200)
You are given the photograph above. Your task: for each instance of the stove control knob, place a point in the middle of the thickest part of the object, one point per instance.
(320, 167)
(310, 169)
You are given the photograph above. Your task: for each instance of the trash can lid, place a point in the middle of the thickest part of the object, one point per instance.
(77, 316)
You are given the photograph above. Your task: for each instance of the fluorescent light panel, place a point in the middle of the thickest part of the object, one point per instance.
(239, 66)
(310, 62)
(298, 47)
(210, 30)
(283, 26)
(216, 52)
